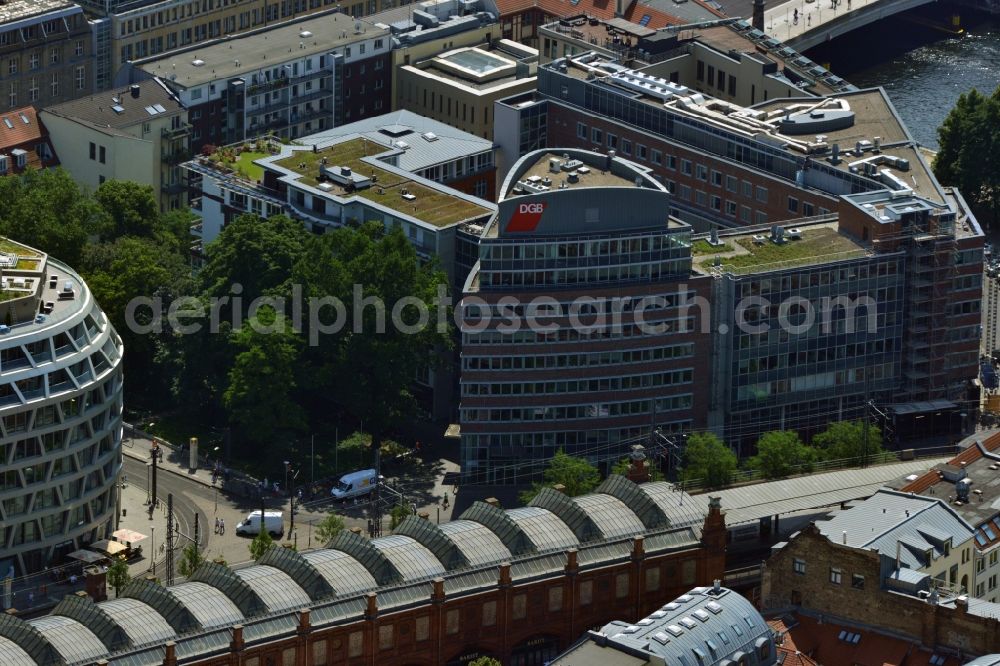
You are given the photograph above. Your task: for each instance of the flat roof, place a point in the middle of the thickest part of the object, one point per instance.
(754, 251)
(390, 188)
(874, 116)
(587, 175)
(248, 53)
(15, 10)
(117, 109)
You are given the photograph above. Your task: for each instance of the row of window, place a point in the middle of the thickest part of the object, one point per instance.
(481, 447)
(35, 58)
(588, 411)
(821, 355)
(836, 574)
(629, 382)
(633, 272)
(573, 334)
(523, 362)
(824, 380)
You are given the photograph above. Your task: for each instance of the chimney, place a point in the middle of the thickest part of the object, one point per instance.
(170, 658)
(758, 14)
(844, 537)
(134, 89)
(371, 606)
(878, 144)
(835, 154)
(717, 585)
(962, 604)
(492, 501)
(559, 488)
(898, 547)
(611, 158)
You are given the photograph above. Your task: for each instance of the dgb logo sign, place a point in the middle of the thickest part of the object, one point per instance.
(526, 217)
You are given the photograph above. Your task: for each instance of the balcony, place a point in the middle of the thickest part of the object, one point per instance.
(175, 156)
(178, 132)
(173, 188)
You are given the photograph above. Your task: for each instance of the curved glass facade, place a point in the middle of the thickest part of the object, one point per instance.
(60, 423)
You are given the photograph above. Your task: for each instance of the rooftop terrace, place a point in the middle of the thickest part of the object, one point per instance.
(389, 188)
(754, 251)
(555, 171)
(15, 10)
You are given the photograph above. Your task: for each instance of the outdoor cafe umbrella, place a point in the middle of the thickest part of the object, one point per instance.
(128, 537)
(109, 547)
(86, 556)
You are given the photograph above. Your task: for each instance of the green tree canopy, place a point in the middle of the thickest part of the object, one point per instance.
(328, 528)
(485, 661)
(969, 153)
(781, 453)
(118, 575)
(577, 475)
(397, 514)
(260, 544)
(132, 208)
(706, 457)
(191, 559)
(622, 467)
(846, 439)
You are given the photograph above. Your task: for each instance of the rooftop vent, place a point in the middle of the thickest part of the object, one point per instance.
(305, 34)
(198, 62)
(429, 136)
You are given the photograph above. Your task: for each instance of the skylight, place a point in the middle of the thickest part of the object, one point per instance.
(118, 109)
(25, 120)
(10, 125)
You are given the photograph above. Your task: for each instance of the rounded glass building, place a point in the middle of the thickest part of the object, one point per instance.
(60, 412)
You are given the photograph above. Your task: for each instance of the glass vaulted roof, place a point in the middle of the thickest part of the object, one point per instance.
(611, 516)
(74, 642)
(478, 544)
(274, 587)
(412, 560)
(545, 529)
(344, 573)
(209, 606)
(142, 624)
(11, 654)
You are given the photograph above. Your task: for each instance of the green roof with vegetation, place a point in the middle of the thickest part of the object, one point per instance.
(744, 254)
(434, 206)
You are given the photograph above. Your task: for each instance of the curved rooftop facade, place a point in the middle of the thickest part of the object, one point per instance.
(333, 581)
(60, 412)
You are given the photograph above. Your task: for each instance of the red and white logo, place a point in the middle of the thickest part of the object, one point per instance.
(526, 217)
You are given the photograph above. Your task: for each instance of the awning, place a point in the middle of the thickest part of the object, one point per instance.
(109, 547)
(87, 556)
(128, 536)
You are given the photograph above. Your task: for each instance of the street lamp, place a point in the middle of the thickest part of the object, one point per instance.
(152, 557)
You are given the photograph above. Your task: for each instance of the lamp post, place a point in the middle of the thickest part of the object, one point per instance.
(152, 557)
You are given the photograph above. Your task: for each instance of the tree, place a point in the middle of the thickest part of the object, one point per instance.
(846, 440)
(132, 208)
(577, 475)
(118, 575)
(781, 453)
(259, 397)
(969, 140)
(260, 544)
(708, 459)
(191, 559)
(328, 528)
(398, 514)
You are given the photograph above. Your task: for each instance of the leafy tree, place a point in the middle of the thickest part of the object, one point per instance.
(132, 208)
(969, 140)
(260, 544)
(398, 514)
(577, 475)
(118, 575)
(781, 453)
(328, 528)
(45, 209)
(259, 397)
(191, 559)
(846, 439)
(707, 458)
(379, 356)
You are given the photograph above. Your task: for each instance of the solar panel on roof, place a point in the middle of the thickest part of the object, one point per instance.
(980, 539)
(989, 532)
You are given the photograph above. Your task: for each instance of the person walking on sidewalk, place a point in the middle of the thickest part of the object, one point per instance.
(222, 525)
(217, 523)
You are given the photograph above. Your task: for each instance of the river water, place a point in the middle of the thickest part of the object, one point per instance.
(922, 69)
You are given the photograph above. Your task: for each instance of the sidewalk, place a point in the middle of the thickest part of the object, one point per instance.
(779, 21)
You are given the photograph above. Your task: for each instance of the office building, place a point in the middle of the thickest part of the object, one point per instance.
(844, 159)
(127, 30)
(619, 354)
(60, 413)
(425, 29)
(139, 133)
(460, 85)
(706, 626)
(290, 81)
(46, 51)
(519, 586)
(24, 142)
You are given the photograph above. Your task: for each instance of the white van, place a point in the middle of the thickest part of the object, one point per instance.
(354, 484)
(273, 523)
